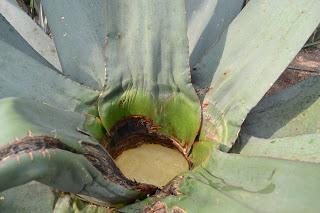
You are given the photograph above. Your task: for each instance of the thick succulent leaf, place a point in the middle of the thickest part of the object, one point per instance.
(70, 204)
(56, 153)
(79, 32)
(198, 197)
(257, 47)
(148, 73)
(24, 73)
(31, 197)
(302, 147)
(11, 37)
(30, 31)
(290, 112)
(207, 19)
(286, 124)
(39, 198)
(235, 183)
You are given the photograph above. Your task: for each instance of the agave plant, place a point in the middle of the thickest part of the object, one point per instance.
(153, 106)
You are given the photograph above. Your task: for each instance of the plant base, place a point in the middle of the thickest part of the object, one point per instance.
(152, 163)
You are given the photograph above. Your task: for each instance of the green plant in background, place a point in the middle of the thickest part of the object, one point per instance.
(125, 83)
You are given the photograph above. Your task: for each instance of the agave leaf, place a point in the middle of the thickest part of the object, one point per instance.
(286, 124)
(198, 197)
(11, 37)
(30, 31)
(56, 153)
(148, 73)
(79, 32)
(291, 112)
(257, 47)
(302, 147)
(24, 73)
(31, 197)
(70, 204)
(207, 19)
(236, 183)
(39, 198)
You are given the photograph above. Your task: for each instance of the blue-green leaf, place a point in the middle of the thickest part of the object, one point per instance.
(256, 48)
(32, 197)
(24, 73)
(285, 125)
(236, 183)
(207, 19)
(46, 144)
(79, 32)
(147, 68)
(30, 31)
